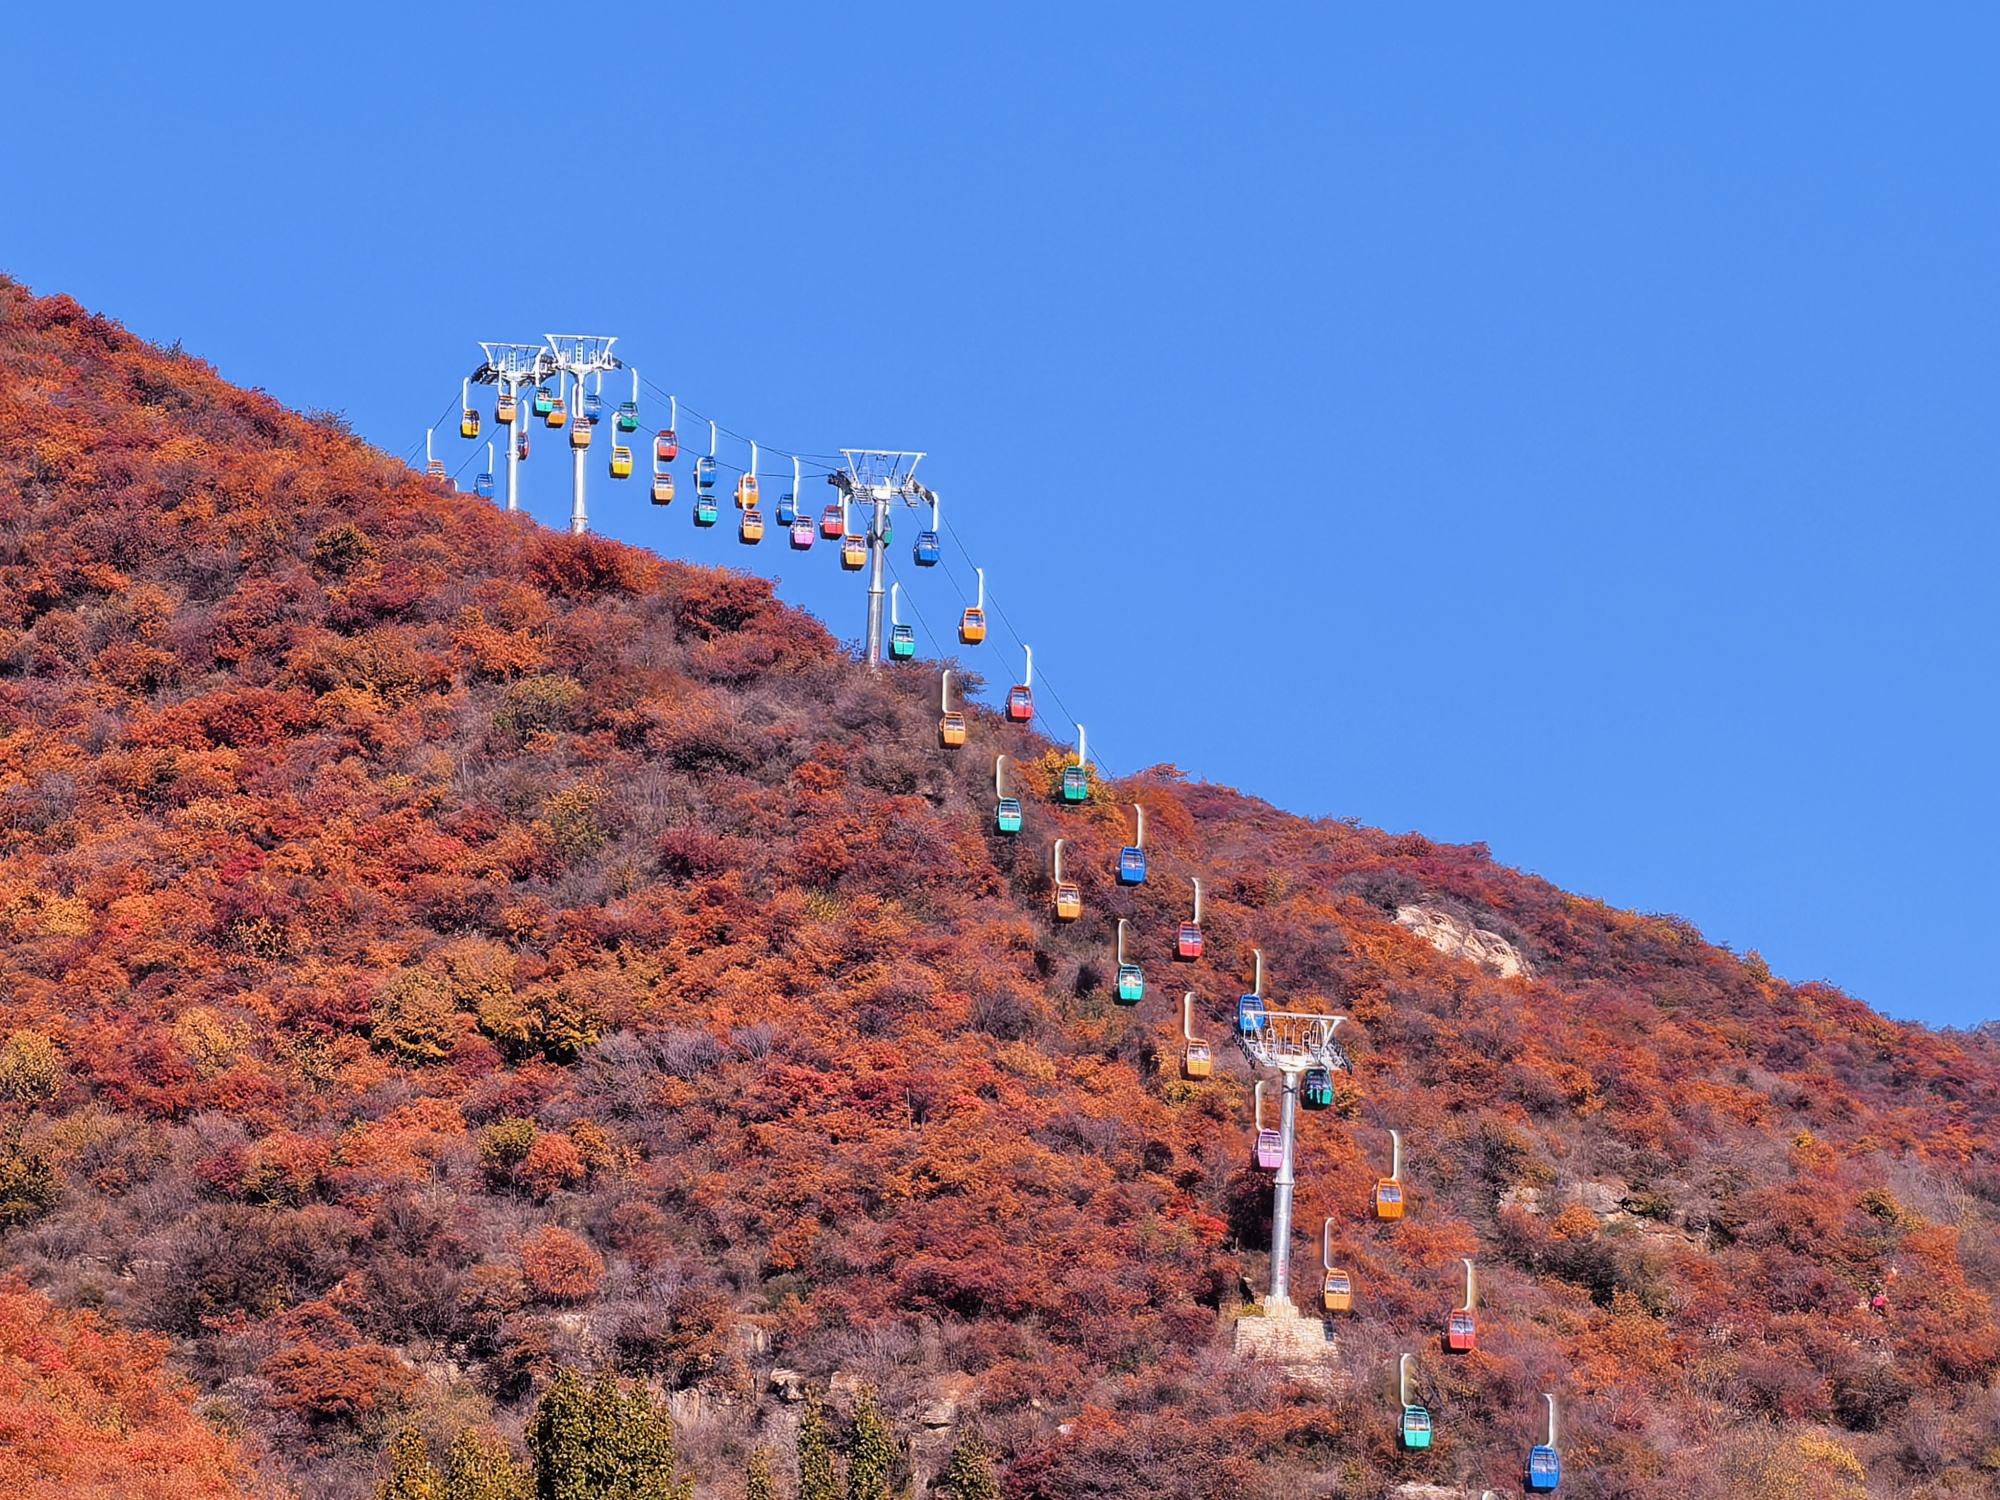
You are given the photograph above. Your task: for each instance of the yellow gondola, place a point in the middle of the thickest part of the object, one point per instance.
(951, 723)
(621, 463)
(1337, 1290)
(1389, 1191)
(1196, 1061)
(751, 531)
(1068, 897)
(468, 419)
(972, 625)
(853, 553)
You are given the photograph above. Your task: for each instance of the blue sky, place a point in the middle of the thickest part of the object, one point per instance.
(1564, 426)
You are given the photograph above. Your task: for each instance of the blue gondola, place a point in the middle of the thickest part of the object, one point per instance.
(1131, 865)
(927, 550)
(483, 486)
(1416, 1427)
(1316, 1091)
(704, 510)
(1249, 1014)
(593, 408)
(704, 474)
(1008, 818)
(788, 509)
(1544, 1469)
(902, 642)
(1131, 984)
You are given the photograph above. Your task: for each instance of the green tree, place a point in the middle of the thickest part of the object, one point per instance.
(816, 1477)
(603, 1442)
(479, 1468)
(969, 1475)
(872, 1452)
(412, 1475)
(757, 1481)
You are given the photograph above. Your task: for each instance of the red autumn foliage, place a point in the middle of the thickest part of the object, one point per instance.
(90, 1413)
(416, 922)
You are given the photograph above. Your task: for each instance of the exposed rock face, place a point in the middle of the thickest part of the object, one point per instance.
(1305, 1344)
(1460, 939)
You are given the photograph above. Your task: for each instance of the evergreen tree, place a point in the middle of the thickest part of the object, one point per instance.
(872, 1452)
(484, 1469)
(757, 1482)
(969, 1475)
(412, 1475)
(560, 1437)
(604, 1442)
(816, 1477)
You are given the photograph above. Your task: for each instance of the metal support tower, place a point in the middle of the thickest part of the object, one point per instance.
(578, 355)
(877, 477)
(1291, 1042)
(512, 368)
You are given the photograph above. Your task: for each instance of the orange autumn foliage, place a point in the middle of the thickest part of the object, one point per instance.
(90, 1413)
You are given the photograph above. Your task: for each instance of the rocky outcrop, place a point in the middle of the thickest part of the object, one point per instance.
(1460, 939)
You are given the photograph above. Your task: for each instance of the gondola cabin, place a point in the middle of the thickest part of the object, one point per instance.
(663, 488)
(1545, 1470)
(1388, 1199)
(505, 406)
(951, 730)
(972, 627)
(1461, 1333)
(1075, 784)
(704, 474)
(705, 512)
(521, 448)
(1316, 1089)
(927, 551)
(1020, 704)
(1008, 817)
(545, 401)
(751, 529)
(468, 423)
(1131, 865)
(902, 642)
(788, 509)
(1131, 984)
(1270, 1150)
(831, 523)
(621, 463)
(1196, 1062)
(628, 416)
(666, 448)
(1187, 946)
(1250, 1014)
(1416, 1427)
(593, 408)
(579, 435)
(746, 491)
(1069, 901)
(435, 469)
(1337, 1292)
(483, 486)
(802, 535)
(853, 553)
(558, 415)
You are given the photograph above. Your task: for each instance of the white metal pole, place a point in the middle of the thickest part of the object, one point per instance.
(579, 518)
(1280, 1300)
(514, 448)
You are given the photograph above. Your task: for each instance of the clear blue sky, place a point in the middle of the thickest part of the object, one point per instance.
(1565, 426)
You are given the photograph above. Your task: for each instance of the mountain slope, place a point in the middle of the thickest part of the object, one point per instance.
(438, 949)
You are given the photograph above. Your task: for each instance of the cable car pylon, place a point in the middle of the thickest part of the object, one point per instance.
(877, 477)
(510, 368)
(577, 356)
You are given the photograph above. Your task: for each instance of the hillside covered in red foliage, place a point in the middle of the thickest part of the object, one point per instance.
(438, 950)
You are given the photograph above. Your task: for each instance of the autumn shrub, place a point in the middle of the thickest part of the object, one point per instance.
(559, 1266)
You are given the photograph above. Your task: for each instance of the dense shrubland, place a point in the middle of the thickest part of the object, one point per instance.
(439, 952)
